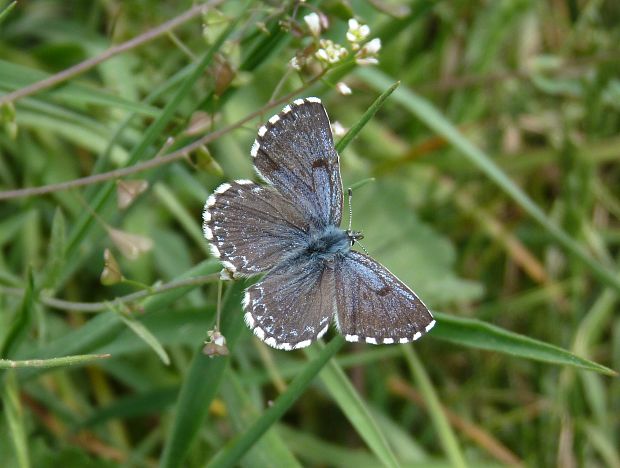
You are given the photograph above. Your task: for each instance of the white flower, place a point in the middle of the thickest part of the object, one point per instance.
(337, 129)
(343, 89)
(367, 61)
(357, 33)
(314, 23)
(330, 52)
(295, 63)
(367, 55)
(372, 47)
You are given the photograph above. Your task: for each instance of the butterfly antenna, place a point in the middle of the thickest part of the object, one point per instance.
(350, 191)
(363, 248)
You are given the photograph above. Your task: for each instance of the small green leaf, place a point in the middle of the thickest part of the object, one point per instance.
(145, 335)
(7, 119)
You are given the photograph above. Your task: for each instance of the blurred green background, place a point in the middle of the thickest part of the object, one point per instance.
(496, 197)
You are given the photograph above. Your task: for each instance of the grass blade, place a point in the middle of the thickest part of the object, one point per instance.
(352, 405)
(7, 10)
(369, 114)
(444, 430)
(482, 335)
(15, 419)
(21, 320)
(270, 450)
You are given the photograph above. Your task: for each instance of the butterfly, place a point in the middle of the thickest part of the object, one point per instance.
(289, 231)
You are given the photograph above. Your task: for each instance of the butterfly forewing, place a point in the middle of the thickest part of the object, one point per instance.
(374, 306)
(295, 152)
(251, 227)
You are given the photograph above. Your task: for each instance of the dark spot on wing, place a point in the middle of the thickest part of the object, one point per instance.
(384, 291)
(321, 162)
(267, 164)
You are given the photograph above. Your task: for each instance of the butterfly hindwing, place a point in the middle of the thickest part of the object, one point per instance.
(294, 151)
(374, 306)
(293, 304)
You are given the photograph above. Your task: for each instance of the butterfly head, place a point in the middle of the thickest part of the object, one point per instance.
(354, 236)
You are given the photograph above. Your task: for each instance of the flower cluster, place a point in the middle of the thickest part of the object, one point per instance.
(328, 53)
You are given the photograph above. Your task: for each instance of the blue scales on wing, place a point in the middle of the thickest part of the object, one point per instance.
(293, 304)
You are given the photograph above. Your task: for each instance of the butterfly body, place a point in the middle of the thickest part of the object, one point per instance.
(327, 243)
(289, 231)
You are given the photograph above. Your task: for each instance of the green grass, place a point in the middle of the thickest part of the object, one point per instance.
(483, 150)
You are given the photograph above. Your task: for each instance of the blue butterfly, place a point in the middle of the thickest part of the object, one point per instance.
(289, 230)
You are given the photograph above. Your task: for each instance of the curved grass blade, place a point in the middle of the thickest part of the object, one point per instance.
(369, 114)
(442, 426)
(143, 333)
(7, 10)
(352, 405)
(482, 335)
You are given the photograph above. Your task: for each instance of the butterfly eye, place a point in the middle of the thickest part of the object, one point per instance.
(354, 236)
